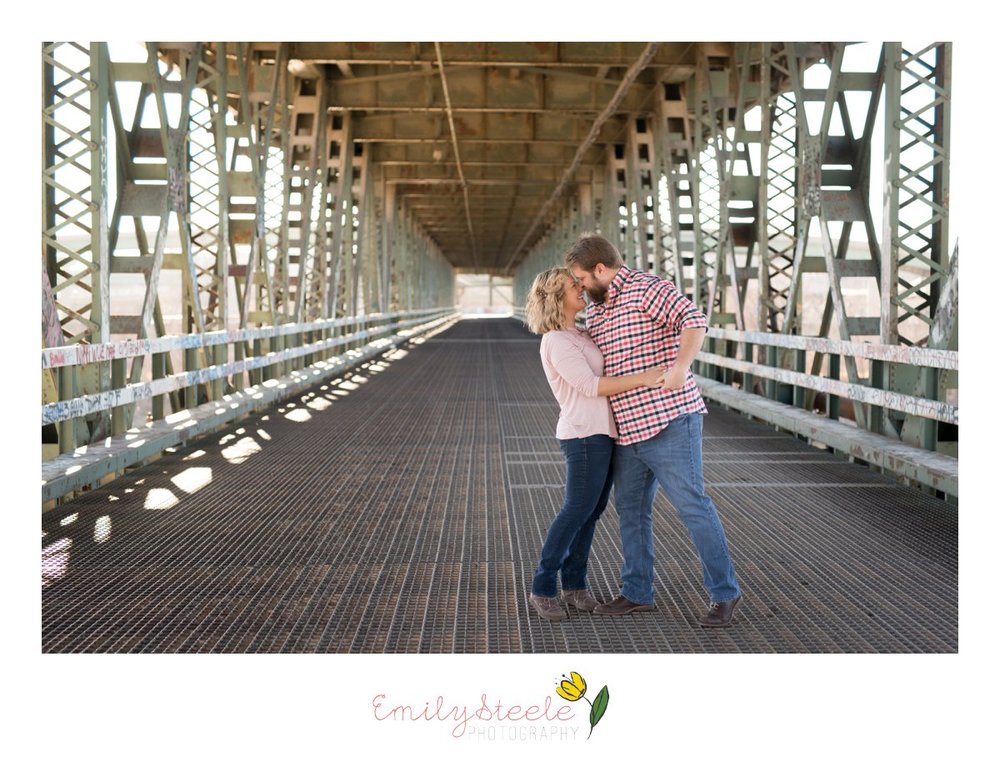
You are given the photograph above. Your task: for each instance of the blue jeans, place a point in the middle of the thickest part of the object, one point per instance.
(673, 458)
(567, 544)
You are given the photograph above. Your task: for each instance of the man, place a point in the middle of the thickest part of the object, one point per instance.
(639, 321)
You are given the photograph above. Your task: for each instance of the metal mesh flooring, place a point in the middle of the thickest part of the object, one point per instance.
(402, 511)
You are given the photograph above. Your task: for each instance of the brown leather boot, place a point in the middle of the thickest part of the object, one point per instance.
(720, 614)
(581, 599)
(622, 605)
(548, 608)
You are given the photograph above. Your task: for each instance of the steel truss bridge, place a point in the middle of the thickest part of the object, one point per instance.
(230, 226)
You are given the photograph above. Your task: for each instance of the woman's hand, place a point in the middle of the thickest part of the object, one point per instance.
(653, 378)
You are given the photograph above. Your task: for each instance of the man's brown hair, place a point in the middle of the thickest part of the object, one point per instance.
(590, 250)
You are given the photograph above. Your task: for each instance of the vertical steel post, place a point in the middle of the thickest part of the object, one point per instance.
(75, 83)
(915, 222)
(674, 149)
(389, 244)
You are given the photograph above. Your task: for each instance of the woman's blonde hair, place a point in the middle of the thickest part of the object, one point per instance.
(544, 309)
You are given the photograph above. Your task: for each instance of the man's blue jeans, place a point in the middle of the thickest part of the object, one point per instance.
(673, 458)
(567, 544)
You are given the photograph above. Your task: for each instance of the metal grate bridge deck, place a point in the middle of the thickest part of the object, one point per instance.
(401, 510)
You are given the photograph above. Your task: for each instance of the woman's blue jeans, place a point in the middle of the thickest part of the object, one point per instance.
(673, 458)
(567, 544)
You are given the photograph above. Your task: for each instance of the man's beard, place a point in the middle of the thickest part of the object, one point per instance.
(597, 293)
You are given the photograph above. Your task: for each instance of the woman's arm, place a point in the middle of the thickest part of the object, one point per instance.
(608, 385)
(567, 359)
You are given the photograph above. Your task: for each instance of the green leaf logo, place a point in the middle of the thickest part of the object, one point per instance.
(598, 708)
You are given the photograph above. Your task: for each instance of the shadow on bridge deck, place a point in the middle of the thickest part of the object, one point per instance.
(402, 510)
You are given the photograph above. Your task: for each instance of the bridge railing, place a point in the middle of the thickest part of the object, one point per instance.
(783, 352)
(227, 374)
(777, 389)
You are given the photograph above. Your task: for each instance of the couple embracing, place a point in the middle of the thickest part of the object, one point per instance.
(631, 416)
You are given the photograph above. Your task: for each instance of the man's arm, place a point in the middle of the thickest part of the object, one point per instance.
(667, 306)
(691, 341)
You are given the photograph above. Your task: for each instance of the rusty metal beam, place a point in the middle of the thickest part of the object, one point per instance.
(595, 128)
(549, 54)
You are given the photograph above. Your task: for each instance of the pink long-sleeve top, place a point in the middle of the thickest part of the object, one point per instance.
(573, 366)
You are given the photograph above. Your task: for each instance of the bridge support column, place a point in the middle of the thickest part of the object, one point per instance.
(919, 296)
(76, 85)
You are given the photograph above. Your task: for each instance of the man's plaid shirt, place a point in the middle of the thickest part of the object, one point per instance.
(636, 328)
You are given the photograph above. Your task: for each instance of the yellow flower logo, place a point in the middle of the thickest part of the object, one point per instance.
(574, 688)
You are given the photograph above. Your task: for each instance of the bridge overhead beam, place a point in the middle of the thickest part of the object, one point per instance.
(503, 126)
(673, 56)
(484, 89)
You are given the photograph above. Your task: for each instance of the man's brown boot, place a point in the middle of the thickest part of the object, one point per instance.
(720, 615)
(622, 605)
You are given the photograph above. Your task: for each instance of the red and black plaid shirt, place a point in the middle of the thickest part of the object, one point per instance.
(636, 328)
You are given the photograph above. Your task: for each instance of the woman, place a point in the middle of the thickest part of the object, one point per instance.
(586, 433)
